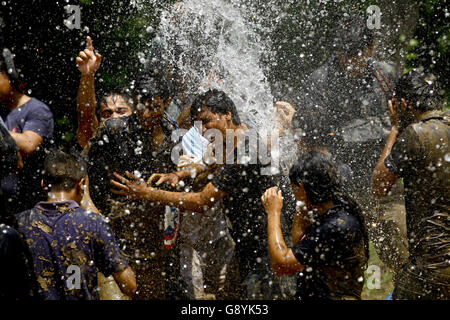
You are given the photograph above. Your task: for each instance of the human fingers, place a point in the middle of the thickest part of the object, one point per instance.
(132, 176)
(99, 57)
(89, 54)
(89, 44)
(120, 186)
(79, 61)
(83, 56)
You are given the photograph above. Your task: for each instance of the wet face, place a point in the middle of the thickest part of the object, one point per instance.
(116, 106)
(150, 112)
(5, 86)
(299, 192)
(212, 120)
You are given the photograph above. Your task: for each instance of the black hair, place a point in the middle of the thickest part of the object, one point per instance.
(352, 35)
(420, 90)
(320, 178)
(119, 91)
(150, 85)
(217, 102)
(63, 170)
(7, 66)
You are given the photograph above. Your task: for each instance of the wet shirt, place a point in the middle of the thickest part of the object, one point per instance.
(348, 115)
(122, 145)
(63, 238)
(34, 116)
(332, 252)
(244, 184)
(420, 157)
(15, 266)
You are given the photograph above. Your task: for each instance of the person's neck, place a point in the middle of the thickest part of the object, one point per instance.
(323, 207)
(61, 196)
(17, 100)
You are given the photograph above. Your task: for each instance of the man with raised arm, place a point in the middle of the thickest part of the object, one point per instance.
(239, 183)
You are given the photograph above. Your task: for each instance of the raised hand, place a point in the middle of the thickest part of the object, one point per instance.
(284, 112)
(272, 200)
(394, 113)
(88, 61)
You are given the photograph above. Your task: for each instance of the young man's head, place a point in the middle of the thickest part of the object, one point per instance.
(64, 173)
(152, 97)
(216, 111)
(417, 92)
(8, 76)
(353, 43)
(115, 104)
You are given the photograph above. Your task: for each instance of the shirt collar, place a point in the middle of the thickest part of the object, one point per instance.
(55, 206)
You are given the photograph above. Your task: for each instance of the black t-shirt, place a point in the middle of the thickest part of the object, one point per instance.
(18, 281)
(244, 185)
(333, 255)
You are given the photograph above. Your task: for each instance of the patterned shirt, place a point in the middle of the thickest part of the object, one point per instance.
(69, 246)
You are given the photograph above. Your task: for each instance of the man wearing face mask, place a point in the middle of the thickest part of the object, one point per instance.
(343, 111)
(137, 143)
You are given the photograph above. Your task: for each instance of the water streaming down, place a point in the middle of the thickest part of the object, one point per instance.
(212, 47)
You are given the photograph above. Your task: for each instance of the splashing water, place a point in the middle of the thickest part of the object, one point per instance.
(212, 47)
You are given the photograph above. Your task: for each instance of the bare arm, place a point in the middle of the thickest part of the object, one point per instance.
(282, 258)
(382, 178)
(300, 224)
(27, 142)
(88, 63)
(126, 281)
(191, 201)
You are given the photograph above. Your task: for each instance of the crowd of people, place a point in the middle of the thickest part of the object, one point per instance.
(118, 216)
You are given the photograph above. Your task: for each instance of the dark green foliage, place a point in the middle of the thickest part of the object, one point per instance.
(430, 47)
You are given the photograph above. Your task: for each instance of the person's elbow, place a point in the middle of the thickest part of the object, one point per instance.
(27, 142)
(279, 269)
(28, 148)
(126, 280)
(285, 264)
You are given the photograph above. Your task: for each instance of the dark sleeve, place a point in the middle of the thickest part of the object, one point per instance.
(325, 243)
(405, 153)
(108, 257)
(18, 281)
(40, 121)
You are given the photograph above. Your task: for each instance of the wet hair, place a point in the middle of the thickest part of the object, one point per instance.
(150, 85)
(320, 178)
(119, 91)
(63, 170)
(420, 90)
(217, 102)
(352, 35)
(7, 66)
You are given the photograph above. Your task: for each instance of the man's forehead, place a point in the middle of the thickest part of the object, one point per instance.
(206, 113)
